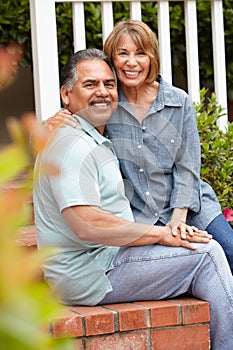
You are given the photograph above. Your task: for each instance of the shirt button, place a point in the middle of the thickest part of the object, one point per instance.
(143, 128)
(141, 170)
(139, 146)
(147, 193)
(172, 140)
(156, 214)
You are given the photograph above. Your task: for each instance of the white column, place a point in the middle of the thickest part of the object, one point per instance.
(220, 85)
(135, 10)
(107, 19)
(79, 26)
(45, 57)
(164, 40)
(192, 50)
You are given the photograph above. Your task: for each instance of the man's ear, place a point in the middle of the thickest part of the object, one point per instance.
(65, 96)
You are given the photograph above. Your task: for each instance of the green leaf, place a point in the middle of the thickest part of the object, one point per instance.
(13, 161)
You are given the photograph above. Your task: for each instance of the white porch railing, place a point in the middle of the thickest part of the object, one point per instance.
(45, 50)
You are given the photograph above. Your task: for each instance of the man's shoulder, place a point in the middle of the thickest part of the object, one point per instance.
(68, 135)
(68, 140)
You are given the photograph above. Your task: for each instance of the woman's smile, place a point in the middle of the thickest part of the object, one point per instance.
(132, 64)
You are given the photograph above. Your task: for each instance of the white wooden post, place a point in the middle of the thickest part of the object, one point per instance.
(79, 26)
(135, 10)
(220, 86)
(45, 57)
(107, 19)
(164, 40)
(192, 49)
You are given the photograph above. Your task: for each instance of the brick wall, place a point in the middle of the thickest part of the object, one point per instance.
(177, 324)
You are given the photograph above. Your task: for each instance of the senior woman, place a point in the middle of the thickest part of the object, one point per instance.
(156, 140)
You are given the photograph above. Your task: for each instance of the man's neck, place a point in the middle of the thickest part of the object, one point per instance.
(100, 129)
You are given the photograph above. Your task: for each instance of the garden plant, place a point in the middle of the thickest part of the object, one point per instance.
(26, 303)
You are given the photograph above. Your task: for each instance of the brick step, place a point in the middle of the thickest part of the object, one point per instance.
(176, 324)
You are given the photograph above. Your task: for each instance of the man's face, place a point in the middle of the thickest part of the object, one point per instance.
(94, 95)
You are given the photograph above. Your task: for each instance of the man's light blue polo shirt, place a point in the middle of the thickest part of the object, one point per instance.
(89, 175)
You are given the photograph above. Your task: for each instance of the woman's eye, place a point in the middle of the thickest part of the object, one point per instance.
(122, 53)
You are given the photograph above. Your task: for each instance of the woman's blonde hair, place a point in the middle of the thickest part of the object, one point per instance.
(142, 36)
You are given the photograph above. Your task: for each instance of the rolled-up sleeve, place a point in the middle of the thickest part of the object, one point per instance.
(186, 174)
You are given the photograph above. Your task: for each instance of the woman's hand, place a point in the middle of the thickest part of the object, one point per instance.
(178, 223)
(61, 119)
(189, 235)
(182, 229)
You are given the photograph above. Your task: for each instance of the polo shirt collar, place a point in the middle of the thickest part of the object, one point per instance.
(90, 130)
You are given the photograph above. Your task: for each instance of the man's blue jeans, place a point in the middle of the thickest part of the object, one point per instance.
(156, 272)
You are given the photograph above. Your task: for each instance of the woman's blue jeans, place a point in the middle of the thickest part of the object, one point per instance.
(156, 272)
(222, 232)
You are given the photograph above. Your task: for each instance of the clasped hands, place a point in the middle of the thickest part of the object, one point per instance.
(184, 235)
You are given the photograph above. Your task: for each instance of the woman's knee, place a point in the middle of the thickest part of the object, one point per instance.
(213, 247)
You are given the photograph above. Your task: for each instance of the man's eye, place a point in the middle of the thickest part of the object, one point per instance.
(110, 85)
(89, 85)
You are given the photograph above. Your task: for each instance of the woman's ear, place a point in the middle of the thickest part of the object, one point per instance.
(65, 96)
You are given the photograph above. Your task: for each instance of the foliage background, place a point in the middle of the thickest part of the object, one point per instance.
(216, 149)
(216, 146)
(15, 26)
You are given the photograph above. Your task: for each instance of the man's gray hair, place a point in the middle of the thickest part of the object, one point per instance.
(69, 72)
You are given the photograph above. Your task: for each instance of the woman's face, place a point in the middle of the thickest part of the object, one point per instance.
(131, 63)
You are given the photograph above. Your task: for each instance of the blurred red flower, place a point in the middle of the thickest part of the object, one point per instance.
(228, 213)
(10, 56)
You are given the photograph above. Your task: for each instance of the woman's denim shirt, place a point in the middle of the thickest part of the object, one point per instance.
(160, 158)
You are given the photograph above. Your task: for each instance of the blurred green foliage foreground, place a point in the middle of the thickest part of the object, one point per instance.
(26, 305)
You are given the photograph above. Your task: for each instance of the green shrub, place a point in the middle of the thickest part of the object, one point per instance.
(27, 305)
(216, 148)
